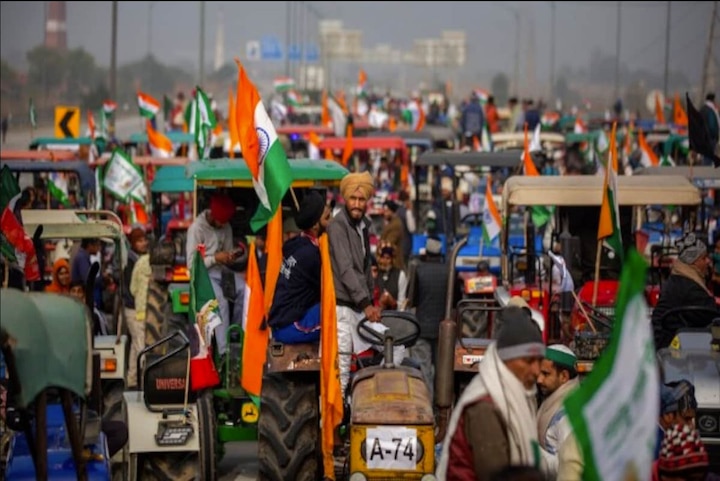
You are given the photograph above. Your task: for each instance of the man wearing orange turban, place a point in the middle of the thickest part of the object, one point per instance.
(348, 235)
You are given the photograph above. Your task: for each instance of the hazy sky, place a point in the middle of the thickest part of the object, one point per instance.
(581, 27)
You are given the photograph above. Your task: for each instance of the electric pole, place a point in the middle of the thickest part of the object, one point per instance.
(667, 51)
(552, 54)
(288, 36)
(113, 61)
(149, 33)
(708, 52)
(617, 52)
(202, 44)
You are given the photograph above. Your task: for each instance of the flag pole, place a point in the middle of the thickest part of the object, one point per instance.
(597, 272)
(297, 204)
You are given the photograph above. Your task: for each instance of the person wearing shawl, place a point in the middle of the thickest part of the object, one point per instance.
(558, 378)
(685, 287)
(494, 424)
(60, 277)
(351, 259)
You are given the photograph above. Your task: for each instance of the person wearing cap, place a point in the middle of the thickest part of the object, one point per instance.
(211, 228)
(558, 378)
(136, 327)
(493, 424)
(427, 291)
(682, 456)
(686, 286)
(348, 236)
(295, 313)
(391, 282)
(677, 406)
(393, 231)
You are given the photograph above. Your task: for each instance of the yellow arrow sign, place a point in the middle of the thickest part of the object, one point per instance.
(67, 122)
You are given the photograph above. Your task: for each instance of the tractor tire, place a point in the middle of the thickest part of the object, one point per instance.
(208, 437)
(474, 324)
(180, 466)
(289, 431)
(113, 400)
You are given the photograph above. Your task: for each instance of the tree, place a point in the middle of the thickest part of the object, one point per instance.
(46, 68)
(9, 80)
(500, 88)
(81, 74)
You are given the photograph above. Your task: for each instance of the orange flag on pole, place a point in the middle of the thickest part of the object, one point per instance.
(530, 168)
(232, 124)
(331, 402)
(273, 248)
(348, 149)
(679, 115)
(659, 112)
(255, 333)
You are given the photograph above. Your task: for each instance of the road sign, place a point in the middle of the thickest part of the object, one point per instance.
(312, 52)
(67, 122)
(252, 50)
(271, 48)
(295, 52)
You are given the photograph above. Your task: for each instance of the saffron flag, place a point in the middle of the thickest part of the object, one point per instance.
(331, 402)
(648, 157)
(160, 145)
(615, 410)
(492, 222)
(609, 226)
(262, 151)
(256, 334)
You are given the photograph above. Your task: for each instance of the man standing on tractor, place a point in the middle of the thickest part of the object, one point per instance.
(558, 378)
(295, 312)
(686, 287)
(136, 327)
(212, 229)
(493, 424)
(348, 236)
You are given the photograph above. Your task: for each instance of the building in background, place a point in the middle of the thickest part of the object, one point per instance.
(55, 26)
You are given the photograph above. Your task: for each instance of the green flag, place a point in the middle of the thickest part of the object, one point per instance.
(615, 410)
(9, 187)
(201, 289)
(33, 117)
(167, 108)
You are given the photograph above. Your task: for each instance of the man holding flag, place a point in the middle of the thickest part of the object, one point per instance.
(212, 229)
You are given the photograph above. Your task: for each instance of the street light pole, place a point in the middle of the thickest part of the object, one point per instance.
(288, 36)
(617, 52)
(304, 41)
(113, 61)
(552, 53)
(516, 73)
(202, 44)
(149, 33)
(667, 51)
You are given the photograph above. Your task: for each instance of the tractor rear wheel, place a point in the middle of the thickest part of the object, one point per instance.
(157, 301)
(169, 467)
(289, 430)
(208, 436)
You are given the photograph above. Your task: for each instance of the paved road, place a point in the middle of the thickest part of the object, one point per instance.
(240, 462)
(19, 138)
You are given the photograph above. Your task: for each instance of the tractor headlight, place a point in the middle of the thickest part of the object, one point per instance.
(357, 477)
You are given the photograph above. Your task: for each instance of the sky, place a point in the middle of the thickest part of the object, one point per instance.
(580, 29)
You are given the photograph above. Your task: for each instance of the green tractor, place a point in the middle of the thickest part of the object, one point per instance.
(236, 415)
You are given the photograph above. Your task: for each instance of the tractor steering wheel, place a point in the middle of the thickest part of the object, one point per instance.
(402, 327)
(473, 219)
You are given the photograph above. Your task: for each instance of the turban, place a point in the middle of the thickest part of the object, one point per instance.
(222, 208)
(355, 181)
(311, 210)
(691, 248)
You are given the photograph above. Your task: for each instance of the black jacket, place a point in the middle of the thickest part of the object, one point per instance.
(680, 291)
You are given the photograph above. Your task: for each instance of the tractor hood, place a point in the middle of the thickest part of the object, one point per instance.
(691, 357)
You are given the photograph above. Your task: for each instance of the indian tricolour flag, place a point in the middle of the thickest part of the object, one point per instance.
(160, 145)
(615, 410)
(609, 226)
(283, 84)
(492, 222)
(252, 320)
(262, 150)
(648, 157)
(58, 187)
(109, 107)
(149, 107)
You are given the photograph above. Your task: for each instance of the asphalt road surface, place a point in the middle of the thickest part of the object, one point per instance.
(239, 463)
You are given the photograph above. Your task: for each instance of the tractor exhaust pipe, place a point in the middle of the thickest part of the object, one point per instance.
(445, 363)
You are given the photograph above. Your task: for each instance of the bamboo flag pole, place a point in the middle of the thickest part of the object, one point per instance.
(596, 284)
